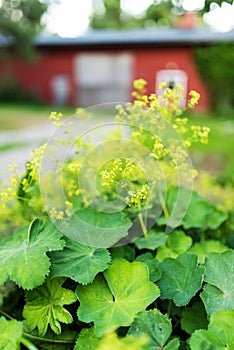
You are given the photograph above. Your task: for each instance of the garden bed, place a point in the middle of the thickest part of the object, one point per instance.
(106, 245)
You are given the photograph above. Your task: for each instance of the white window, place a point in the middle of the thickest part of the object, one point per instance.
(172, 77)
(60, 86)
(101, 77)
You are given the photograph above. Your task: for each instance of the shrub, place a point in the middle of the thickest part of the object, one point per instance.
(10, 91)
(214, 63)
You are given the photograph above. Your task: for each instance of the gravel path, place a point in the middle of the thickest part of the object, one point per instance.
(28, 139)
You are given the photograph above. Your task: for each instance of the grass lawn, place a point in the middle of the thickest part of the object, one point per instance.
(17, 116)
(218, 155)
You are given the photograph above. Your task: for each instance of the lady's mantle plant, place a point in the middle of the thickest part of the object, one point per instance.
(142, 283)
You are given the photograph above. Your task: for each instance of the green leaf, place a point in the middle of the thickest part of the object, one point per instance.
(181, 278)
(152, 263)
(111, 341)
(172, 345)
(219, 336)
(200, 213)
(98, 229)
(221, 323)
(44, 306)
(153, 240)
(11, 333)
(157, 327)
(203, 214)
(204, 247)
(23, 257)
(205, 340)
(123, 252)
(81, 263)
(177, 243)
(218, 293)
(114, 300)
(194, 318)
(87, 340)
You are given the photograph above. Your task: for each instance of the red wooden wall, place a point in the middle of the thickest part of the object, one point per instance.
(36, 76)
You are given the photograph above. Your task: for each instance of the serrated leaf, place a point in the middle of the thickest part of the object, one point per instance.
(221, 323)
(114, 300)
(203, 214)
(11, 333)
(23, 257)
(181, 278)
(152, 241)
(152, 263)
(219, 335)
(97, 229)
(87, 340)
(200, 213)
(194, 318)
(44, 306)
(204, 247)
(218, 294)
(156, 326)
(80, 263)
(177, 243)
(205, 340)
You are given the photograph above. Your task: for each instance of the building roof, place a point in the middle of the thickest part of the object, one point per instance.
(157, 37)
(131, 38)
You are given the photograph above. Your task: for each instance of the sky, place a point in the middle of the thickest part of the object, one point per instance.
(70, 18)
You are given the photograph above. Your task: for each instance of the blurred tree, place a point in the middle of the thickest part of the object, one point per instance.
(218, 2)
(20, 21)
(109, 14)
(160, 12)
(111, 18)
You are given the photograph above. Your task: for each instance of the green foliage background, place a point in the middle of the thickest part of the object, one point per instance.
(214, 63)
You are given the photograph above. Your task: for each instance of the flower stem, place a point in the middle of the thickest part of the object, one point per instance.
(6, 315)
(144, 229)
(169, 308)
(28, 344)
(164, 207)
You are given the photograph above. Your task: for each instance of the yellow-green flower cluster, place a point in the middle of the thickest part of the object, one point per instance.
(9, 192)
(135, 198)
(140, 89)
(34, 164)
(139, 85)
(159, 150)
(194, 99)
(200, 133)
(61, 214)
(56, 214)
(119, 169)
(56, 117)
(9, 204)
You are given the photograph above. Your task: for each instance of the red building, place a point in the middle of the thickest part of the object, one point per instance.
(101, 65)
